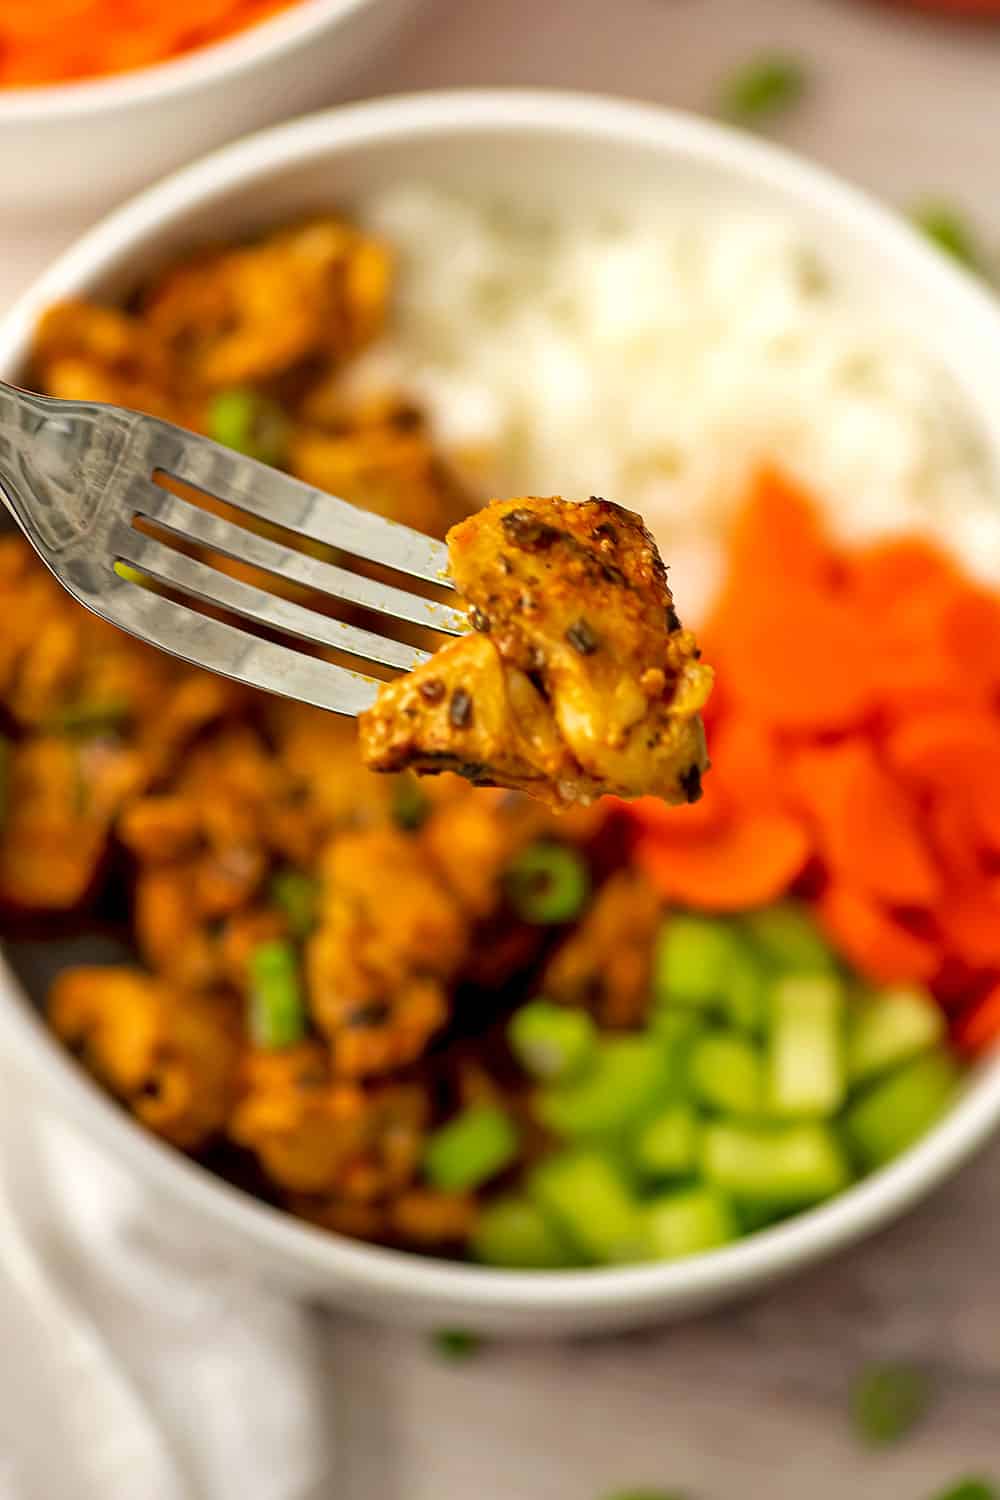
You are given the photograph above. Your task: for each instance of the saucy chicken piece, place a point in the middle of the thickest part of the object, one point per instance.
(170, 1056)
(577, 679)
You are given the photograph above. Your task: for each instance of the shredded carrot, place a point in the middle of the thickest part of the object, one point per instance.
(742, 864)
(877, 944)
(62, 41)
(979, 1025)
(868, 828)
(855, 740)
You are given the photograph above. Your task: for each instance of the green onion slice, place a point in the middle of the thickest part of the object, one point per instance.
(250, 423)
(547, 883)
(277, 1013)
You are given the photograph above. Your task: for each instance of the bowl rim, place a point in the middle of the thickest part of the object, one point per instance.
(222, 60)
(400, 1275)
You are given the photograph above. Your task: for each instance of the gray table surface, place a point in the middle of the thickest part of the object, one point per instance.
(751, 1402)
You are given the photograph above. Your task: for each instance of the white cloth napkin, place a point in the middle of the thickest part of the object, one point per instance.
(133, 1364)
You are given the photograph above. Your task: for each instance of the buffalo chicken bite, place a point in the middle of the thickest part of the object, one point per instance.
(577, 678)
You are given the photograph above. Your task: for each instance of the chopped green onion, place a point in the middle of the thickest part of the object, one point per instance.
(514, 1233)
(667, 1145)
(727, 1074)
(409, 804)
(762, 89)
(587, 1196)
(693, 961)
(805, 1056)
(547, 883)
(889, 1027)
(787, 1167)
(131, 575)
(456, 1343)
(89, 719)
(688, 1222)
(949, 231)
(643, 1495)
(788, 939)
(971, 1489)
(551, 1041)
(296, 893)
(627, 1076)
(250, 423)
(277, 1013)
(887, 1401)
(895, 1111)
(470, 1149)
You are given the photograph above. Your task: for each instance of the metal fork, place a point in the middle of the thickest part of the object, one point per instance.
(76, 475)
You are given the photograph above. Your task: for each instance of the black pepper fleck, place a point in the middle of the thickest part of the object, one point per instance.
(460, 709)
(582, 638)
(376, 1013)
(528, 531)
(605, 532)
(691, 783)
(479, 621)
(432, 690)
(673, 619)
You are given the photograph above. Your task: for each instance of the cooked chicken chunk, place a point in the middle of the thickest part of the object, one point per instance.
(577, 679)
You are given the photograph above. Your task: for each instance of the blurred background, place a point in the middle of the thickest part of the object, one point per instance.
(754, 1401)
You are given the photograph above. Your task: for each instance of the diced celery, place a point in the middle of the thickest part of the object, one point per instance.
(806, 1051)
(667, 1145)
(589, 1199)
(896, 1110)
(744, 1002)
(514, 1232)
(551, 1041)
(626, 1077)
(470, 1149)
(786, 1166)
(788, 939)
(686, 1222)
(888, 1027)
(726, 1073)
(692, 961)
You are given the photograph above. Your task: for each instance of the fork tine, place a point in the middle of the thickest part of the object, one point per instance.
(234, 652)
(194, 577)
(224, 536)
(274, 496)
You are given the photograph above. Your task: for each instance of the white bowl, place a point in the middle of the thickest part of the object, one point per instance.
(78, 148)
(558, 149)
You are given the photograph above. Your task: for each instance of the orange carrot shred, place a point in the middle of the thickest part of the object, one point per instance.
(979, 1026)
(875, 943)
(748, 862)
(867, 828)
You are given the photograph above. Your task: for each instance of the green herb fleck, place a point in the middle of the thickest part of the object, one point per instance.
(971, 1489)
(250, 423)
(456, 1343)
(950, 232)
(296, 894)
(887, 1401)
(644, 1495)
(762, 90)
(410, 806)
(87, 720)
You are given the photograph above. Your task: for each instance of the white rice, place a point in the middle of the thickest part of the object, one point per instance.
(658, 361)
